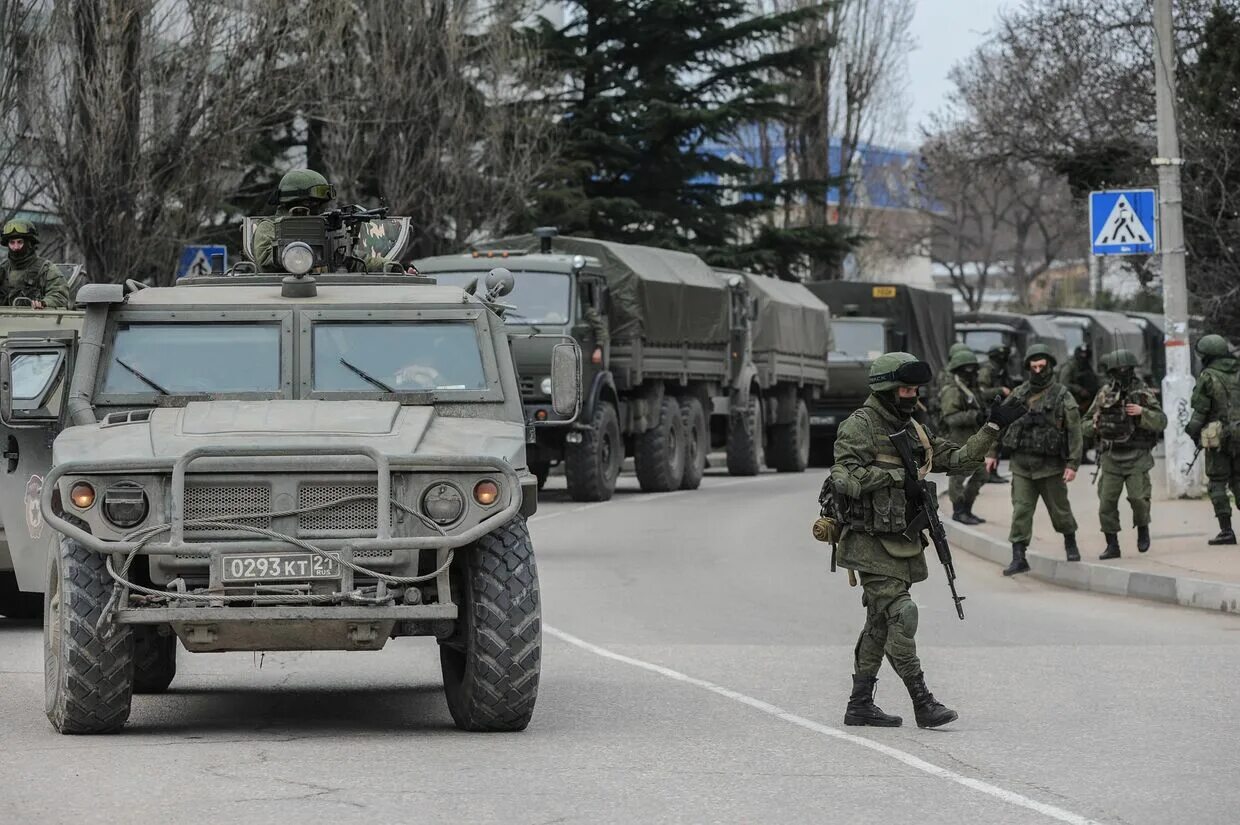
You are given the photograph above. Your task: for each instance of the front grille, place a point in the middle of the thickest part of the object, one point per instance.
(359, 515)
(231, 500)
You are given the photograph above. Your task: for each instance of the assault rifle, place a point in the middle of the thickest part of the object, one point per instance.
(927, 516)
(1188, 469)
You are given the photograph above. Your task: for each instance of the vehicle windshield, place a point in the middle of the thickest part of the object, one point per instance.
(539, 297)
(193, 359)
(1073, 333)
(397, 356)
(31, 372)
(981, 340)
(856, 340)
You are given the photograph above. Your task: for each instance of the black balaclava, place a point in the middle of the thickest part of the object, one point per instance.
(969, 376)
(902, 408)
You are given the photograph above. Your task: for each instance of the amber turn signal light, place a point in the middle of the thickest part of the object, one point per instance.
(82, 495)
(486, 493)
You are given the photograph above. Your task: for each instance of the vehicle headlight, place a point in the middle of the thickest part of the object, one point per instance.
(545, 386)
(125, 504)
(82, 495)
(297, 258)
(486, 492)
(443, 503)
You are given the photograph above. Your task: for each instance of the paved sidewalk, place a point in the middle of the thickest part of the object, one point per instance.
(1179, 568)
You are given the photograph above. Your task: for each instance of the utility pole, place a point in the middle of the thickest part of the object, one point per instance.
(1178, 383)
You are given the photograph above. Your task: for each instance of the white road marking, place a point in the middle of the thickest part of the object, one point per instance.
(1003, 795)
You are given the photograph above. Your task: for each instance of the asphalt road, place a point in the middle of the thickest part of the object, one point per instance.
(696, 666)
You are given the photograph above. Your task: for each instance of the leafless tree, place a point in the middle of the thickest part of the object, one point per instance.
(430, 104)
(146, 113)
(18, 183)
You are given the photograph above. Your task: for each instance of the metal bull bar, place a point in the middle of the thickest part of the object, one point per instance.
(383, 468)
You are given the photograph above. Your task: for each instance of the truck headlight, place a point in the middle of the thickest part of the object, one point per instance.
(297, 258)
(125, 504)
(545, 386)
(82, 495)
(486, 492)
(443, 503)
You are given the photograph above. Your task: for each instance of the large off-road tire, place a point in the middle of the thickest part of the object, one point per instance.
(14, 603)
(697, 442)
(592, 465)
(789, 448)
(87, 669)
(154, 659)
(491, 662)
(659, 457)
(746, 433)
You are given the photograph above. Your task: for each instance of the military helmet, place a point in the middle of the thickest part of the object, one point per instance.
(25, 230)
(999, 349)
(303, 184)
(1122, 358)
(1213, 346)
(898, 369)
(1107, 362)
(960, 360)
(1039, 350)
(959, 346)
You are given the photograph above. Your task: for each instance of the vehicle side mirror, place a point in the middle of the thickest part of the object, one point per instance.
(33, 385)
(566, 379)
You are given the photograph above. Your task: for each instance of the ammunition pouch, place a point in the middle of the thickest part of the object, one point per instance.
(1114, 425)
(1212, 436)
(1037, 434)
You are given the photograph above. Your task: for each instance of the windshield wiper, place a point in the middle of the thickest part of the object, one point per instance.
(365, 376)
(143, 378)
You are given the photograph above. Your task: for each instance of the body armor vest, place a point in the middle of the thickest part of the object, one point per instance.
(1040, 432)
(885, 510)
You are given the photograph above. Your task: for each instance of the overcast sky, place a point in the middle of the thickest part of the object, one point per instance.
(946, 32)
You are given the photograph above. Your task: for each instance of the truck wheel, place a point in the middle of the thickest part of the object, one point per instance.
(491, 662)
(154, 659)
(592, 466)
(697, 442)
(745, 431)
(660, 453)
(87, 670)
(14, 603)
(789, 451)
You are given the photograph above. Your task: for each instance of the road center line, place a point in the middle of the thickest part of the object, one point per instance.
(1003, 795)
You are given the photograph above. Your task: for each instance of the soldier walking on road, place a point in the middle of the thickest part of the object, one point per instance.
(873, 498)
(961, 412)
(1126, 419)
(1216, 413)
(1046, 452)
(993, 379)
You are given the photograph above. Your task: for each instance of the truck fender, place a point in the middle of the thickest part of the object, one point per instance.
(602, 388)
(746, 381)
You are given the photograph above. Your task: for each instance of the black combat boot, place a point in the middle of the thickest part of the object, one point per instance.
(995, 478)
(1225, 534)
(961, 514)
(930, 712)
(1143, 539)
(1112, 551)
(1070, 548)
(976, 518)
(861, 707)
(1018, 565)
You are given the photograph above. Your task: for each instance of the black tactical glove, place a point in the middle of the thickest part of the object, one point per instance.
(1004, 413)
(982, 417)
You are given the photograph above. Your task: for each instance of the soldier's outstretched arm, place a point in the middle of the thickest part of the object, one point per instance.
(957, 460)
(856, 450)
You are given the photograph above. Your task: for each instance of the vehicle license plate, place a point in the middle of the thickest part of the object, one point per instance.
(277, 567)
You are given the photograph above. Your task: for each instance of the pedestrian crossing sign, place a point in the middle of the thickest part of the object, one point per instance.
(1123, 222)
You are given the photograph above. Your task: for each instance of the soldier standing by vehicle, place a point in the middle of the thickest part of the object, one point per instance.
(873, 498)
(1127, 420)
(1046, 452)
(993, 379)
(1079, 377)
(1216, 413)
(961, 413)
(27, 274)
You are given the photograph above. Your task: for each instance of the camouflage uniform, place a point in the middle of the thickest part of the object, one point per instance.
(1125, 461)
(992, 377)
(961, 413)
(1218, 383)
(27, 274)
(1043, 445)
(1079, 377)
(869, 483)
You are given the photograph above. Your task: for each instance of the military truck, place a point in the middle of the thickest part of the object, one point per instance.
(277, 462)
(869, 319)
(682, 359)
(1103, 331)
(983, 330)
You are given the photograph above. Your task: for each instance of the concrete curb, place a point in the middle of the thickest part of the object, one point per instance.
(1101, 578)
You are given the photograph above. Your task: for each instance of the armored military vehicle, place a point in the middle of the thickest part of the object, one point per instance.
(682, 359)
(983, 330)
(1104, 331)
(278, 462)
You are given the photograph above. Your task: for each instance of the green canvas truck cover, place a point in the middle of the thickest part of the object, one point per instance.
(658, 295)
(926, 315)
(789, 320)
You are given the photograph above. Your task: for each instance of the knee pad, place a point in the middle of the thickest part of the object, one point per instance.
(902, 617)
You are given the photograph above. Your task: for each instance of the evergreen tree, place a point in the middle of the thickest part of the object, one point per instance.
(654, 91)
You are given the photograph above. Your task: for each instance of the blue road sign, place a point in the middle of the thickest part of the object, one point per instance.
(1123, 222)
(202, 260)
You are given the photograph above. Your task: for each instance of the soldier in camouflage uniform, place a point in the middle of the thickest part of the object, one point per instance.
(992, 380)
(27, 274)
(1126, 420)
(872, 495)
(1079, 377)
(945, 374)
(961, 412)
(1046, 452)
(1216, 394)
(302, 191)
